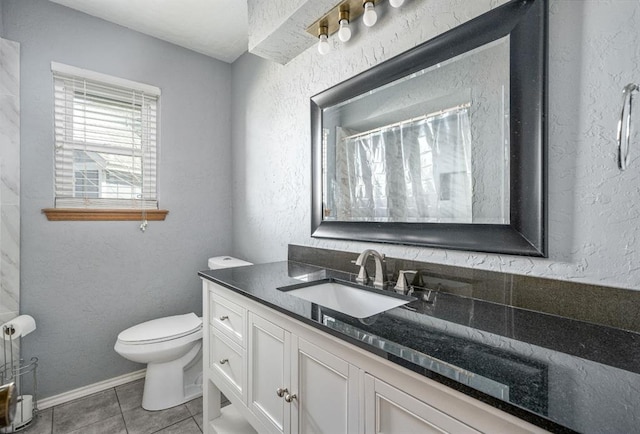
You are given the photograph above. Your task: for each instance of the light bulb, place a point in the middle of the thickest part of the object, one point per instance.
(370, 16)
(396, 3)
(344, 34)
(323, 44)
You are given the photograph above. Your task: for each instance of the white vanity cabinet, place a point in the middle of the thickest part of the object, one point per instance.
(284, 376)
(297, 387)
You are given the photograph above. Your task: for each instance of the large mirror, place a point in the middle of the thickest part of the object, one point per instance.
(443, 145)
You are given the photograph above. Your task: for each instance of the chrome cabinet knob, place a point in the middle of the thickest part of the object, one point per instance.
(280, 392)
(223, 361)
(289, 397)
(224, 317)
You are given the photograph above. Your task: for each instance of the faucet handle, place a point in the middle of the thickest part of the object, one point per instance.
(403, 286)
(363, 276)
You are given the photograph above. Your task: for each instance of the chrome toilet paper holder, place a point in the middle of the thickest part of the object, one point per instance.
(24, 377)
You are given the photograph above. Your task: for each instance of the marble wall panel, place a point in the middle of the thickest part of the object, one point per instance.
(10, 258)
(9, 186)
(9, 67)
(9, 150)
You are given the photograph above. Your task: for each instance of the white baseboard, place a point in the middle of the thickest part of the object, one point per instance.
(90, 389)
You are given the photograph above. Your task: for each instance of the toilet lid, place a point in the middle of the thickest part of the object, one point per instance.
(162, 329)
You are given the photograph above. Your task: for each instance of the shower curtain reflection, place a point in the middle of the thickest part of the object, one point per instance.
(418, 170)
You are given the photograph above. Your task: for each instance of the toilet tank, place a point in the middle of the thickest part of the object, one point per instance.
(218, 262)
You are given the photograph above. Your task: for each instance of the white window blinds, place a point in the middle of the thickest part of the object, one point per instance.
(105, 141)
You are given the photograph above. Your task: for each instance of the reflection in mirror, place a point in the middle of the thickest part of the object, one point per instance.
(431, 147)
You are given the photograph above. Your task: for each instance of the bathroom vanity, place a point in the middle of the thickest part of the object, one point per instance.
(290, 365)
(287, 376)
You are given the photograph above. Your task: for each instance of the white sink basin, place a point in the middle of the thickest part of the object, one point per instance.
(358, 302)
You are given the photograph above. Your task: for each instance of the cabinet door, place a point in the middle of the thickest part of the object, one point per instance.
(269, 370)
(389, 410)
(326, 390)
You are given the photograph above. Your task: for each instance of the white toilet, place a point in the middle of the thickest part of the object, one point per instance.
(172, 349)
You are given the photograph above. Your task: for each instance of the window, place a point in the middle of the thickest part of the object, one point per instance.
(106, 132)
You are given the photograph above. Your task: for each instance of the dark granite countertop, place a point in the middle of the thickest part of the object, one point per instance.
(563, 375)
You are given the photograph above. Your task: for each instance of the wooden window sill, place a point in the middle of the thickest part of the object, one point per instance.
(81, 214)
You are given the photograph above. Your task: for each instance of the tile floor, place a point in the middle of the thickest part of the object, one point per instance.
(118, 411)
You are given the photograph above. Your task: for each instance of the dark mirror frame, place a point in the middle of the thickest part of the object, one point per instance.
(525, 21)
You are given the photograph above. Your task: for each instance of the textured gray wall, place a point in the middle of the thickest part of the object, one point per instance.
(593, 208)
(84, 282)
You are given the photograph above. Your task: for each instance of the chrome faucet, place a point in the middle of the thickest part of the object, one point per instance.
(381, 268)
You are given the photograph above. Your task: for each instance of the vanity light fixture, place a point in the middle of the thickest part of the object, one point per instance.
(344, 31)
(369, 17)
(396, 3)
(340, 18)
(323, 39)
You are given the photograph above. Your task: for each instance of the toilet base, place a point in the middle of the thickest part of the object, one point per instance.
(173, 383)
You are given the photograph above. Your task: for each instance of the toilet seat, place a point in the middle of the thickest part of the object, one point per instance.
(161, 330)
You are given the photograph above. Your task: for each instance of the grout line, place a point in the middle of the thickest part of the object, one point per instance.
(117, 399)
(53, 415)
(124, 422)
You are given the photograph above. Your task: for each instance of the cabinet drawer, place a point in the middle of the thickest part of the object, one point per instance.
(228, 317)
(228, 361)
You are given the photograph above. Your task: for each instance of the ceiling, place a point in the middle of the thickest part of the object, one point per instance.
(216, 28)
